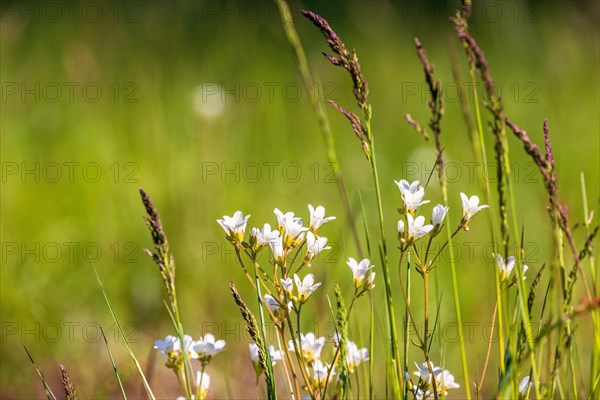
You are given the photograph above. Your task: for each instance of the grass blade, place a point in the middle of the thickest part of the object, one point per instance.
(124, 337)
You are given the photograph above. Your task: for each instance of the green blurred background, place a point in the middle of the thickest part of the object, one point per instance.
(199, 103)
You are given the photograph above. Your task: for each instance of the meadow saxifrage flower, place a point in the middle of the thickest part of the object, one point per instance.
(276, 245)
(291, 228)
(305, 287)
(320, 373)
(315, 245)
(171, 347)
(234, 227)
(264, 236)
(317, 217)
(311, 346)
(207, 347)
(470, 207)
(444, 381)
(355, 356)
(525, 385)
(412, 195)
(505, 268)
(413, 230)
(288, 286)
(275, 305)
(438, 214)
(203, 382)
(275, 356)
(360, 271)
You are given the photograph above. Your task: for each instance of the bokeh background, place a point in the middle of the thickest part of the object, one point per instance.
(200, 103)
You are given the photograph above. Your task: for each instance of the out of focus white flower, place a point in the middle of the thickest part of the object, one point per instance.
(311, 346)
(254, 356)
(437, 218)
(355, 356)
(171, 347)
(203, 382)
(525, 385)
(506, 268)
(320, 373)
(207, 347)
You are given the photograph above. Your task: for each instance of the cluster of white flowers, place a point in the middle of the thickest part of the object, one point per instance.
(203, 350)
(412, 227)
(290, 233)
(293, 291)
(423, 389)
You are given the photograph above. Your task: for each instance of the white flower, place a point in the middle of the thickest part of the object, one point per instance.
(438, 214)
(416, 229)
(171, 347)
(470, 206)
(207, 347)
(276, 245)
(283, 218)
(423, 371)
(404, 186)
(355, 356)
(272, 302)
(525, 385)
(311, 346)
(412, 194)
(317, 217)
(305, 287)
(264, 236)
(315, 245)
(320, 373)
(507, 267)
(444, 381)
(275, 305)
(275, 356)
(288, 286)
(291, 228)
(234, 226)
(359, 270)
(202, 381)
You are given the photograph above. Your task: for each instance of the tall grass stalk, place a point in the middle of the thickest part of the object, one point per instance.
(309, 86)
(594, 273)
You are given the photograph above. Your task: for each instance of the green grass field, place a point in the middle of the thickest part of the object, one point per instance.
(200, 103)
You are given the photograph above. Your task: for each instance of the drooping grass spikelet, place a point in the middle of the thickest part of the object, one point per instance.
(479, 62)
(435, 103)
(68, 385)
(349, 61)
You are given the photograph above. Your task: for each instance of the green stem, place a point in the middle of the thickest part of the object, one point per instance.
(385, 268)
